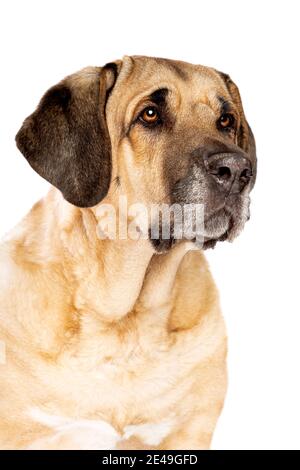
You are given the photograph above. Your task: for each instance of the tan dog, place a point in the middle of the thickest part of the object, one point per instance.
(110, 345)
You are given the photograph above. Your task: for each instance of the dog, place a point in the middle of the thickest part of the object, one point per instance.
(111, 342)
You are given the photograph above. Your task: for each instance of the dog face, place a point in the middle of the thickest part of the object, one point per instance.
(161, 131)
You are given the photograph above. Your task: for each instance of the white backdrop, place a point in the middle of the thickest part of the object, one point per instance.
(257, 43)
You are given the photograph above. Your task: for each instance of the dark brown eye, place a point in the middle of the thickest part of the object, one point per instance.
(149, 115)
(226, 121)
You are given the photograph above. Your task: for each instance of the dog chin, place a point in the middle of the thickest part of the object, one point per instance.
(225, 225)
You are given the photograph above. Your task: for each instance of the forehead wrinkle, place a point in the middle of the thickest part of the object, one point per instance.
(225, 105)
(203, 97)
(145, 95)
(219, 102)
(202, 108)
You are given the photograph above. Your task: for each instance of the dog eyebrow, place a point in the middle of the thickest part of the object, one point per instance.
(159, 96)
(225, 105)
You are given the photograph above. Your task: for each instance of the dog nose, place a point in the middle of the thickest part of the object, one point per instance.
(231, 171)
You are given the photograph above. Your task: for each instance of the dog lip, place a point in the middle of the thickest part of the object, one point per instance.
(230, 219)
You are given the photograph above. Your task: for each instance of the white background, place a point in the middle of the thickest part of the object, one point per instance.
(257, 43)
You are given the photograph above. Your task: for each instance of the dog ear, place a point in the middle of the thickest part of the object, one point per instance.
(66, 139)
(245, 137)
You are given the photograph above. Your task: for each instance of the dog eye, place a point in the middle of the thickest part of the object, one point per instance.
(149, 115)
(226, 121)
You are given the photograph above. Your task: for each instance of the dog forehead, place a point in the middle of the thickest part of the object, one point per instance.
(140, 74)
(149, 68)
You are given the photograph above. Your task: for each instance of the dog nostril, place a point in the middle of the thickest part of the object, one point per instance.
(224, 173)
(246, 175)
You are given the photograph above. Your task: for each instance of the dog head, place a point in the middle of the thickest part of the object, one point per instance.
(157, 130)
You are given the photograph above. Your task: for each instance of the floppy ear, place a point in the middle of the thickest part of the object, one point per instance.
(245, 135)
(66, 139)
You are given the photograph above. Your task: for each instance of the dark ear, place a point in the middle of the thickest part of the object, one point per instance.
(66, 139)
(245, 136)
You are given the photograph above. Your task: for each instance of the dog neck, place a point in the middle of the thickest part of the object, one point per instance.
(106, 280)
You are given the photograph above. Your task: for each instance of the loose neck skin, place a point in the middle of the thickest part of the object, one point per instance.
(105, 278)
